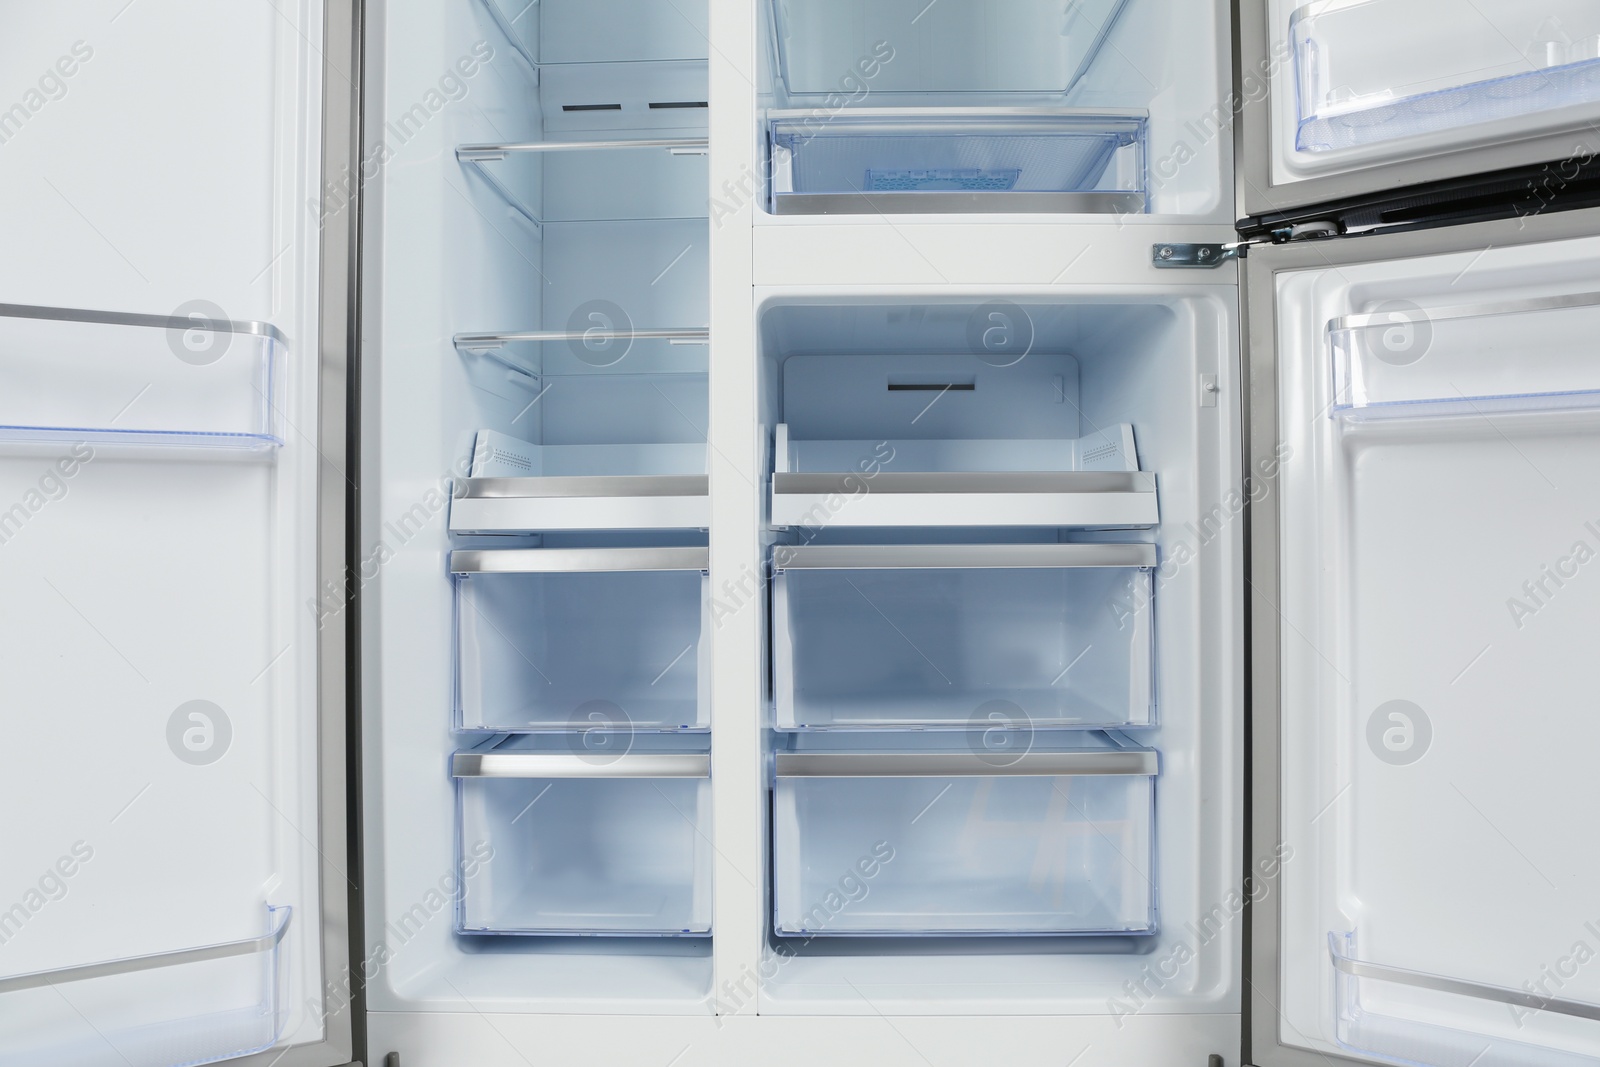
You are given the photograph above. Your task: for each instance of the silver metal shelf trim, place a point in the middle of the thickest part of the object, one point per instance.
(489, 153)
(578, 560)
(964, 764)
(560, 765)
(485, 341)
(958, 557)
(892, 482)
(123, 318)
(1461, 987)
(153, 961)
(569, 487)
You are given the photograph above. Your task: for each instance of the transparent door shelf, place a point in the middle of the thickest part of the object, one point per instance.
(1027, 48)
(578, 639)
(108, 378)
(1402, 360)
(591, 838)
(1090, 481)
(1383, 70)
(965, 841)
(957, 160)
(963, 636)
(521, 487)
(1414, 1017)
(104, 1015)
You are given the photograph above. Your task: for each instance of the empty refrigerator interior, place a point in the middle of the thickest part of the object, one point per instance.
(542, 613)
(996, 699)
(1064, 106)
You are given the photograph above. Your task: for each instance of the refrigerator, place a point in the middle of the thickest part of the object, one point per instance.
(675, 532)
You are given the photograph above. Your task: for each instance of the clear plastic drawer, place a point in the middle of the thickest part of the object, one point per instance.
(957, 160)
(964, 636)
(596, 837)
(965, 841)
(575, 639)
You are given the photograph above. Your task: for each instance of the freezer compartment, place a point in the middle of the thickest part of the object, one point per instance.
(107, 378)
(1475, 359)
(965, 839)
(1413, 1016)
(598, 836)
(185, 1007)
(974, 637)
(977, 48)
(516, 486)
(957, 160)
(570, 640)
(1387, 70)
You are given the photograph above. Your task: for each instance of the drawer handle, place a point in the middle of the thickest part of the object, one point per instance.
(963, 764)
(957, 557)
(563, 765)
(578, 560)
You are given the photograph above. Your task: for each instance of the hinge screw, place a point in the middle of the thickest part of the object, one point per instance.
(1166, 252)
(1205, 253)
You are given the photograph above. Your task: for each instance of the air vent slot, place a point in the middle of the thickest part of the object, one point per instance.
(673, 105)
(591, 107)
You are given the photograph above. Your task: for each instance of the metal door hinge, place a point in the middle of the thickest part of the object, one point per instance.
(1179, 255)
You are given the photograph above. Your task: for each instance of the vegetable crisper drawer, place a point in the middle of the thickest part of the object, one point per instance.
(1372, 71)
(957, 160)
(964, 636)
(965, 842)
(580, 639)
(586, 841)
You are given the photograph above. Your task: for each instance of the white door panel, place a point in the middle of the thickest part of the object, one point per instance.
(164, 871)
(1423, 729)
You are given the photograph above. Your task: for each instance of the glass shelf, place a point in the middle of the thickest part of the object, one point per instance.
(1384, 70)
(648, 187)
(520, 487)
(170, 1009)
(957, 160)
(1092, 481)
(109, 378)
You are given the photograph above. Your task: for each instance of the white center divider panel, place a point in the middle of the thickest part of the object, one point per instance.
(964, 636)
(575, 639)
(966, 840)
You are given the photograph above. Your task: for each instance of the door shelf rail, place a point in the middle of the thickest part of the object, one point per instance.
(228, 998)
(1449, 1018)
(115, 378)
(1379, 371)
